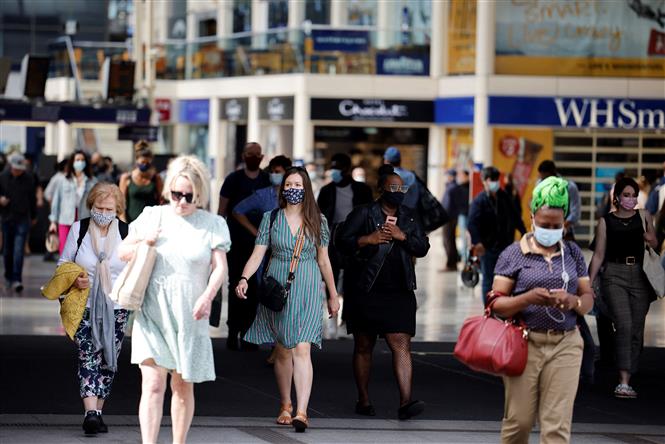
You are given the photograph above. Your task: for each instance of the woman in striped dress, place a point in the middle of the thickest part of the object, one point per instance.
(300, 322)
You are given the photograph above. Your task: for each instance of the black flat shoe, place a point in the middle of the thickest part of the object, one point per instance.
(232, 341)
(414, 408)
(103, 428)
(91, 423)
(365, 410)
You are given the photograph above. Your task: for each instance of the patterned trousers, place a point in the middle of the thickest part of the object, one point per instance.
(95, 379)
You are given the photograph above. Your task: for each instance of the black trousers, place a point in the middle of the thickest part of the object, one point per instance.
(452, 256)
(241, 312)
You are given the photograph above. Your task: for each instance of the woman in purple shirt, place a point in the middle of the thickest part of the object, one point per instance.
(543, 280)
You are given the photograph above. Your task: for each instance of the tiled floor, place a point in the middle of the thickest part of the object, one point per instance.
(443, 304)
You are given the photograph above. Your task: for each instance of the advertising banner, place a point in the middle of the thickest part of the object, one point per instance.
(462, 37)
(373, 110)
(194, 111)
(519, 152)
(581, 38)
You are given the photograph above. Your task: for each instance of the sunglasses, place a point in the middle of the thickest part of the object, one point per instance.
(177, 195)
(393, 188)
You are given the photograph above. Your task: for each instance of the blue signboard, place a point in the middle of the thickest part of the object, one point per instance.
(194, 111)
(454, 110)
(578, 112)
(400, 64)
(340, 40)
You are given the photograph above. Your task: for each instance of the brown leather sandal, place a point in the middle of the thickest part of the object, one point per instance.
(284, 417)
(300, 422)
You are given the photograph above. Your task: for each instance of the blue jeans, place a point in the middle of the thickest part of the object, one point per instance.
(487, 264)
(14, 236)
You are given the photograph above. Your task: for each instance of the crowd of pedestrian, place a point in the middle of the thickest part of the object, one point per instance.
(289, 252)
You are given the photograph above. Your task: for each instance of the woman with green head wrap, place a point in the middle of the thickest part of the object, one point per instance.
(543, 280)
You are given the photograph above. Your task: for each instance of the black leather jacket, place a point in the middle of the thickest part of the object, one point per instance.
(365, 263)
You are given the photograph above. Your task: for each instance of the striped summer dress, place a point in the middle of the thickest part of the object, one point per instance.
(301, 320)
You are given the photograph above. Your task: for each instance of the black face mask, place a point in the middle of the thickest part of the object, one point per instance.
(252, 162)
(393, 198)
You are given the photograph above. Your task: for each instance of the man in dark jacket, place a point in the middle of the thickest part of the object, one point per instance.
(18, 207)
(450, 228)
(338, 198)
(493, 220)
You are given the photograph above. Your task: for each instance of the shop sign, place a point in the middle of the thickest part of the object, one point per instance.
(395, 64)
(163, 108)
(276, 108)
(234, 110)
(194, 111)
(454, 110)
(135, 133)
(340, 40)
(373, 110)
(578, 112)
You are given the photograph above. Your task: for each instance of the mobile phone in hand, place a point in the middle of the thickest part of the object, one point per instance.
(391, 220)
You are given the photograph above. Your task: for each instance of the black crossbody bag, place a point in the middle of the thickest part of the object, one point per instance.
(273, 294)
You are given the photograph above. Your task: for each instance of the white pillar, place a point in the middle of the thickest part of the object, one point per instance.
(51, 139)
(338, 13)
(224, 18)
(296, 13)
(138, 45)
(259, 23)
(482, 133)
(65, 140)
(384, 14)
(435, 159)
(303, 130)
(438, 47)
(215, 157)
(253, 123)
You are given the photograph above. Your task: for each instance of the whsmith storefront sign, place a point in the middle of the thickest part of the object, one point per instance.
(578, 112)
(373, 110)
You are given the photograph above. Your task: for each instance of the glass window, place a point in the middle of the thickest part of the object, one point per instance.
(207, 27)
(414, 19)
(278, 14)
(462, 37)
(318, 11)
(242, 15)
(362, 12)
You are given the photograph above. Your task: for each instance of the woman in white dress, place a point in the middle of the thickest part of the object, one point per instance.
(170, 333)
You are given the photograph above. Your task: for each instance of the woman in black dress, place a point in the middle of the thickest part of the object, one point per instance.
(380, 240)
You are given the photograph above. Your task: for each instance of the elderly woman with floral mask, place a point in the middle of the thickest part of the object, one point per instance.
(543, 280)
(92, 243)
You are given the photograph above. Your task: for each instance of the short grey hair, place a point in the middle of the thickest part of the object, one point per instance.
(192, 169)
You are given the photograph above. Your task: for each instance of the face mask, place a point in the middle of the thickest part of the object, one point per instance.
(101, 219)
(252, 162)
(494, 186)
(547, 237)
(143, 167)
(628, 203)
(276, 179)
(79, 165)
(336, 175)
(294, 196)
(393, 198)
(312, 175)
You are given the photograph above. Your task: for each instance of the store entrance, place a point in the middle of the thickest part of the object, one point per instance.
(366, 146)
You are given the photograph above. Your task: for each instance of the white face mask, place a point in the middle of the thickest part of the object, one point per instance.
(547, 236)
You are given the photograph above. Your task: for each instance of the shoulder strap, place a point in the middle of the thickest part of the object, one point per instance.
(295, 259)
(123, 227)
(273, 217)
(85, 223)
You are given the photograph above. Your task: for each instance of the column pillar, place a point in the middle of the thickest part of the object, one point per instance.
(303, 130)
(482, 133)
(65, 140)
(338, 9)
(438, 45)
(253, 124)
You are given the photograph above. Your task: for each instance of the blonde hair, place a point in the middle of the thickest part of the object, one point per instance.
(192, 169)
(102, 190)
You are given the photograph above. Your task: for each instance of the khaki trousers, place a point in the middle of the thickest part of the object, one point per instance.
(547, 388)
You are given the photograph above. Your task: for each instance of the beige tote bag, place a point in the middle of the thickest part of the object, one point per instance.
(130, 286)
(652, 266)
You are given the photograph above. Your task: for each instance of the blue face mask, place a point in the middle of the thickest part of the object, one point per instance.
(547, 236)
(276, 179)
(79, 165)
(294, 196)
(336, 176)
(494, 186)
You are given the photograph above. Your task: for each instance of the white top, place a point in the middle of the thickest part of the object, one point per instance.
(86, 257)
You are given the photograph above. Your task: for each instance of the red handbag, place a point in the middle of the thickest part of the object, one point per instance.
(493, 346)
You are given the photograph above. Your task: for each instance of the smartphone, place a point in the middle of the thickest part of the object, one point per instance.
(392, 220)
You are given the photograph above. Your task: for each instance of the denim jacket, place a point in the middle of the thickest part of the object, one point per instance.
(65, 202)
